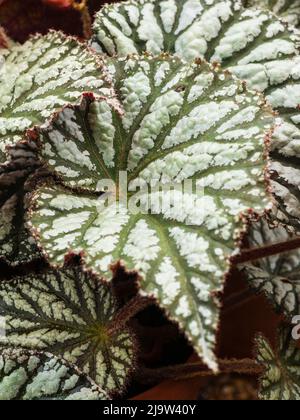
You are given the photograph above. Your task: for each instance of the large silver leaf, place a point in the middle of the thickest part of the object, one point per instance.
(28, 375)
(182, 124)
(253, 44)
(69, 313)
(281, 380)
(277, 276)
(40, 77)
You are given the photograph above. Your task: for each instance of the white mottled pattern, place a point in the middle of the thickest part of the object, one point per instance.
(252, 43)
(168, 14)
(42, 76)
(276, 276)
(104, 129)
(280, 380)
(135, 91)
(26, 375)
(200, 120)
(167, 280)
(142, 246)
(66, 313)
(288, 10)
(182, 124)
(166, 106)
(149, 30)
(195, 40)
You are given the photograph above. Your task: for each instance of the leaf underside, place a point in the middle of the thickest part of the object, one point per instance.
(277, 276)
(68, 313)
(281, 380)
(39, 78)
(288, 10)
(253, 44)
(181, 122)
(29, 375)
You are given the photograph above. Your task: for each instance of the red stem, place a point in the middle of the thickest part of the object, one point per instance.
(236, 300)
(192, 370)
(82, 8)
(4, 41)
(87, 23)
(266, 251)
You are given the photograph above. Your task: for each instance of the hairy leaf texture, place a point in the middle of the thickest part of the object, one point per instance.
(40, 77)
(69, 313)
(253, 44)
(30, 375)
(277, 276)
(181, 123)
(281, 380)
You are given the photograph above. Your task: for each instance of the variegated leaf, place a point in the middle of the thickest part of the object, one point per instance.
(289, 10)
(253, 44)
(17, 177)
(183, 124)
(281, 380)
(40, 77)
(17, 246)
(285, 173)
(28, 375)
(277, 276)
(69, 313)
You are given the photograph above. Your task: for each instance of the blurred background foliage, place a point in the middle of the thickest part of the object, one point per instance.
(22, 18)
